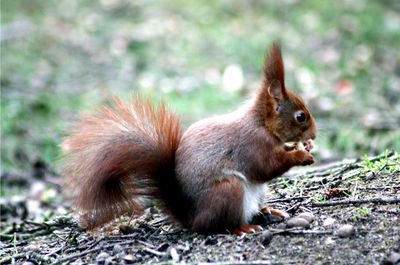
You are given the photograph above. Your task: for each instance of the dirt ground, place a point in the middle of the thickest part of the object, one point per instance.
(354, 210)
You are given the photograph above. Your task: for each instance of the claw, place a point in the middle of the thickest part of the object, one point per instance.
(279, 213)
(246, 229)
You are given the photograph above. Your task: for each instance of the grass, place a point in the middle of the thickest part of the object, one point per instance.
(358, 211)
(382, 165)
(319, 198)
(62, 58)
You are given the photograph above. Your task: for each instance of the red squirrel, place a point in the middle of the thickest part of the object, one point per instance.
(209, 179)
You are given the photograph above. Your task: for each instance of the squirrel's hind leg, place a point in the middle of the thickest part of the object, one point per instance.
(221, 208)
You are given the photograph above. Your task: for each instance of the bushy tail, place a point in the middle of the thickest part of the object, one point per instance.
(119, 155)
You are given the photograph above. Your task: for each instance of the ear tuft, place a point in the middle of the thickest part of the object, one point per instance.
(274, 69)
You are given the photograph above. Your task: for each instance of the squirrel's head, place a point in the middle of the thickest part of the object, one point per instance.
(286, 116)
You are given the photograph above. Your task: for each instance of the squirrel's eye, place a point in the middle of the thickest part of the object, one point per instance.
(300, 117)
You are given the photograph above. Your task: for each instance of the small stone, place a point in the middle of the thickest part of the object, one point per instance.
(118, 249)
(126, 229)
(346, 230)
(37, 189)
(281, 226)
(103, 258)
(78, 262)
(298, 222)
(28, 263)
(266, 237)
(174, 255)
(33, 205)
(394, 258)
(307, 216)
(329, 221)
(211, 240)
(129, 258)
(31, 247)
(329, 241)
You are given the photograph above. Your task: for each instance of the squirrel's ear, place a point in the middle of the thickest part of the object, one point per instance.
(275, 90)
(274, 72)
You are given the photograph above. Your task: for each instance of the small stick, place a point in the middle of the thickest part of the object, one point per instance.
(9, 259)
(312, 232)
(78, 255)
(288, 199)
(154, 252)
(344, 202)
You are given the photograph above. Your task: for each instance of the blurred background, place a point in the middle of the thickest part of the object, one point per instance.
(60, 58)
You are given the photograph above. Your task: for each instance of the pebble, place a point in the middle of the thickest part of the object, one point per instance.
(129, 258)
(394, 258)
(126, 229)
(78, 262)
(329, 221)
(211, 240)
(118, 249)
(307, 216)
(267, 237)
(281, 226)
(31, 247)
(103, 258)
(174, 255)
(37, 189)
(345, 230)
(33, 205)
(297, 222)
(329, 241)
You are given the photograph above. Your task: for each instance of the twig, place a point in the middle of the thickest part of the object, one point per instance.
(295, 230)
(344, 202)
(4, 237)
(92, 244)
(55, 251)
(40, 257)
(7, 260)
(312, 232)
(42, 225)
(154, 252)
(146, 244)
(287, 199)
(75, 256)
(247, 262)
(379, 188)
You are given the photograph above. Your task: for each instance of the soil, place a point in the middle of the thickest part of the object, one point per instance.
(38, 228)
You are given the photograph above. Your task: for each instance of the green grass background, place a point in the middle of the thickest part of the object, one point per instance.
(61, 58)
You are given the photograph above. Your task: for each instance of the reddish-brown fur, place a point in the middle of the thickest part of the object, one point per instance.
(204, 179)
(110, 156)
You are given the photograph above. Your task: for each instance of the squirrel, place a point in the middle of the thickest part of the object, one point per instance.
(210, 179)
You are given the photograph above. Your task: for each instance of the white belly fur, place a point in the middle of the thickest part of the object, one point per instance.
(252, 195)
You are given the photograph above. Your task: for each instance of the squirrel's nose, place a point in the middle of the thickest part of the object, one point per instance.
(313, 131)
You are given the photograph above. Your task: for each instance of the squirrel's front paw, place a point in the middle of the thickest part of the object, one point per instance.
(308, 159)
